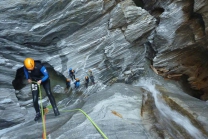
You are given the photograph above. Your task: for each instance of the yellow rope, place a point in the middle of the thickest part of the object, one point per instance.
(88, 117)
(41, 106)
(43, 119)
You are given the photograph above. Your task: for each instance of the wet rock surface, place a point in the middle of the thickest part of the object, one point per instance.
(112, 38)
(11, 113)
(181, 41)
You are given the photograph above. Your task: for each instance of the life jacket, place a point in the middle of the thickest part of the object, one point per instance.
(36, 74)
(77, 83)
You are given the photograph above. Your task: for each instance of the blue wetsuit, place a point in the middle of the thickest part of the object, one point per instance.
(40, 73)
(72, 74)
(77, 84)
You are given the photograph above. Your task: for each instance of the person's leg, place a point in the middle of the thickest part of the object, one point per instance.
(47, 87)
(73, 76)
(67, 86)
(92, 79)
(78, 84)
(75, 85)
(35, 95)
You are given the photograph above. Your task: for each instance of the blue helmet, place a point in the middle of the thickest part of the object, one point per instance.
(70, 69)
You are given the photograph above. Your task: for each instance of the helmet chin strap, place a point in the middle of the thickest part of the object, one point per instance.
(31, 65)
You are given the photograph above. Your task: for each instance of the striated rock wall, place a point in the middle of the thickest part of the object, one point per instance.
(181, 40)
(110, 37)
(107, 37)
(78, 34)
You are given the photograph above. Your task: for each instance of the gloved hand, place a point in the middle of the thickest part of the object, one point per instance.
(39, 82)
(29, 81)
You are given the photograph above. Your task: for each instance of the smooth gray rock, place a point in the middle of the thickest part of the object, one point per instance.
(112, 38)
(118, 19)
(180, 40)
(11, 112)
(140, 24)
(116, 107)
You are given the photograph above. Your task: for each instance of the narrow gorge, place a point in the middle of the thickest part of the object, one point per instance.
(149, 59)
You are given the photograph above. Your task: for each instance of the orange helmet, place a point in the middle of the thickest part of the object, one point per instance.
(77, 79)
(29, 63)
(68, 80)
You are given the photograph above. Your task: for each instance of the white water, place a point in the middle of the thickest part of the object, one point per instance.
(167, 112)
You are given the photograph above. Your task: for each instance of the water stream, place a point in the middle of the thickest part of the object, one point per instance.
(166, 112)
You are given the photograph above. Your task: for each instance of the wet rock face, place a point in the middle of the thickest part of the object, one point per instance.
(79, 34)
(74, 34)
(110, 37)
(11, 114)
(181, 40)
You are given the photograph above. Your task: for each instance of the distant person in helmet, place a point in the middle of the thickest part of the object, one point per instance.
(90, 75)
(72, 73)
(68, 83)
(86, 81)
(35, 71)
(76, 83)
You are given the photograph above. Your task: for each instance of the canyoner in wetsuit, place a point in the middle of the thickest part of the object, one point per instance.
(76, 83)
(90, 75)
(86, 81)
(72, 73)
(68, 83)
(35, 71)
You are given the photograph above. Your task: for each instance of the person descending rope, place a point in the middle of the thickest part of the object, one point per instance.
(90, 75)
(76, 83)
(35, 72)
(72, 73)
(86, 81)
(68, 83)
